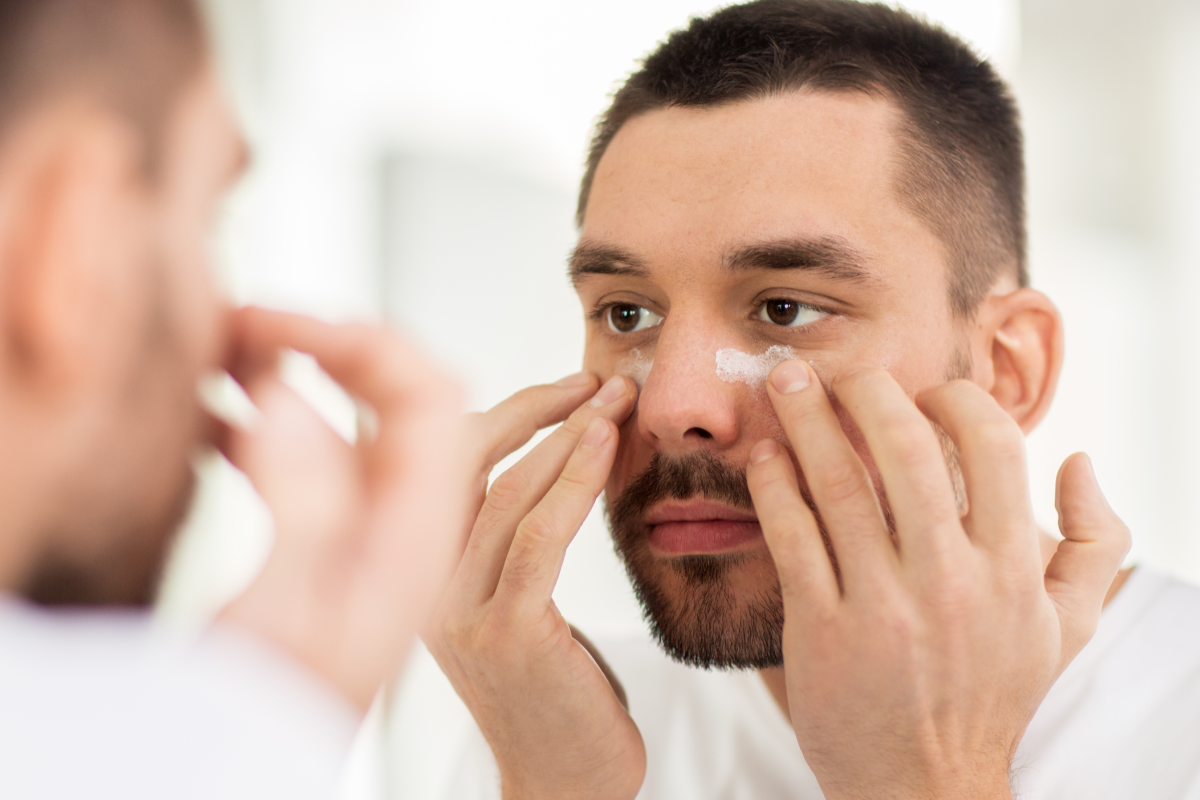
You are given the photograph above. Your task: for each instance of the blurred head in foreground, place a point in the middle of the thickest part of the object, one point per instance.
(818, 179)
(115, 145)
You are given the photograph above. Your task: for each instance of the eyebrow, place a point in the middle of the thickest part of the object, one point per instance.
(589, 258)
(829, 256)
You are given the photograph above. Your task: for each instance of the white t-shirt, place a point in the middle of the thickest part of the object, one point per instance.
(98, 705)
(1122, 723)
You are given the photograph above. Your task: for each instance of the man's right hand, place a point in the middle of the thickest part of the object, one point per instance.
(553, 720)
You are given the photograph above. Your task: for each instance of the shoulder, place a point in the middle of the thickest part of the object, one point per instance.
(1121, 720)
(142, 714)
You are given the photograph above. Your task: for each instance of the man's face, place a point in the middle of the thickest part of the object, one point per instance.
(711, 236)
(130, 481)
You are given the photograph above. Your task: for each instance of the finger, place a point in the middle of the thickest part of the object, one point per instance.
(514, 494)
(806, 576)
(540, 543)
(371, 363)
(911, 466)
(306, 474)
(419, 524)
(840, 485)
(991, 455)
(1087, 559)
(506, 427)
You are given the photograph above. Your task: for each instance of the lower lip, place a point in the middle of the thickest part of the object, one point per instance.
(709, 536)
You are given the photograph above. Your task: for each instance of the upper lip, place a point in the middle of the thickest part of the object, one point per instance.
(695, 511)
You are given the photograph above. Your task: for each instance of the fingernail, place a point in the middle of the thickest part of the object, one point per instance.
(610, 392)
(789, 376)
(767, 448)
(597, 433)
(578, 379)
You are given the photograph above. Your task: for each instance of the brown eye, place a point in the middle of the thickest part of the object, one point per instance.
(789, 313)
(782, 312)
(627, 318)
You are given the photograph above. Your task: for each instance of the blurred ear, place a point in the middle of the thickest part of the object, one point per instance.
(70, 218)
(1017, 349)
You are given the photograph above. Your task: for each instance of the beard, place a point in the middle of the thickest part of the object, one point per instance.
(722, 611)
(692, 603)
(125, 569)
(126, 494)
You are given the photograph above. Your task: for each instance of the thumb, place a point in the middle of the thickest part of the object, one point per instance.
(1094, 544)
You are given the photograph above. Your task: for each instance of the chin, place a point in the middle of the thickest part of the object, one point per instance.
(712, 610)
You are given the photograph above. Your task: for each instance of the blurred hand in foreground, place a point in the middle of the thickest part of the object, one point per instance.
(365, 534)
(914, 665)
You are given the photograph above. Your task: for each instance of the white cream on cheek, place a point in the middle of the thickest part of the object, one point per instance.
(636, 366)
(734, 366)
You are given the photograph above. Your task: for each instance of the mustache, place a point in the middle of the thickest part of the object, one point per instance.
(699, 474)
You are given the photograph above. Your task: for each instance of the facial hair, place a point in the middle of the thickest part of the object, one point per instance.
(111, 534)
(691, 603)
(125, 572)
(696, 615)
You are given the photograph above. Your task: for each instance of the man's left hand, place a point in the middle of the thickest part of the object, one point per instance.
(914, 665)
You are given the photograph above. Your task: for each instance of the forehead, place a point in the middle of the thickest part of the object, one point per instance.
(798, 166)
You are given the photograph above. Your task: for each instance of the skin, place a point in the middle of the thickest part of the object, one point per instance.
(109, 317)
(679, 193)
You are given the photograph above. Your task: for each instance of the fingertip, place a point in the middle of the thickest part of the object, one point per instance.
(1076, 475)
(789, 377)
(764, 450)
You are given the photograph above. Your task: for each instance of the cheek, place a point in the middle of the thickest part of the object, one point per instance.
(633, 456)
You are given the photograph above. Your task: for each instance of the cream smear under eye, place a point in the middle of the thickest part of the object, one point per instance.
(734, 366)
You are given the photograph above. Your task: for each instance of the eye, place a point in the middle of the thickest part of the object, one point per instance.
(789, 313)
(627, 318)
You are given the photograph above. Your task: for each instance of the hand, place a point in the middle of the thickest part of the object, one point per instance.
(914, 667)
(365, 535)
(553, 720)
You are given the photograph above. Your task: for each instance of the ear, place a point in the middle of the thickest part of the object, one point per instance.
(69, 219)
(1017, 348)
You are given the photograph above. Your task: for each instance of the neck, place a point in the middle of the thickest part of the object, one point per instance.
(776, 681)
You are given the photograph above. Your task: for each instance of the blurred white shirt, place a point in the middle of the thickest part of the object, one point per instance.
(1122, 722)
(102, 705)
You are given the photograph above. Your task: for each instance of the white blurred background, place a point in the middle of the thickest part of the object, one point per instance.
(416, 163)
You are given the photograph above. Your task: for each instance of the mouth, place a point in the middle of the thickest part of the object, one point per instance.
(700, 527)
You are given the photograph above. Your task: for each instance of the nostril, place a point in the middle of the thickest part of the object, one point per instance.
(703, 434)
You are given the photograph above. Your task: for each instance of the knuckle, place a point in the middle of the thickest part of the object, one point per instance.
(908, 444)
(575, 480)
(535, 531)
(508, 491)
(521, 573)
(577, 423)
(490, 639)
(458, 635)
(842, 482)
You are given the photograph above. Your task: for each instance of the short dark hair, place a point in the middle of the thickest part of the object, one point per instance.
(963, 168)
(134, 56)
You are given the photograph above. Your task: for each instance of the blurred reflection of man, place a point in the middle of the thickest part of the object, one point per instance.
(831, 193)
(115, 147)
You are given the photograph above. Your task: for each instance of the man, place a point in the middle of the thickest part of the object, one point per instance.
(802, 234)
(115, 148)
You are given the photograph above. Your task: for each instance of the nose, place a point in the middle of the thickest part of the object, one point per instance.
(684, 405)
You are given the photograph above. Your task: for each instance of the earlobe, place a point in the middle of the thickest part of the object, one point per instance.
(1021, 334)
